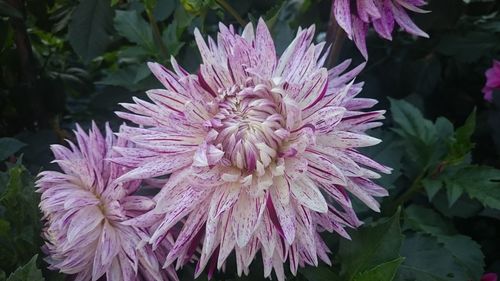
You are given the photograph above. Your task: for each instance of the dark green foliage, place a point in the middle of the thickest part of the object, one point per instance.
(19, 218)
(429, 258)
(9, 146)
(373, 251)
(90, 28)
(478, 182)
(441, 221)
(28, 272)
(465, 252)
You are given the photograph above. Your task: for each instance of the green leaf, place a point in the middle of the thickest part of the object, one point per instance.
(411, 122)
(426, 220)
(171, 40)
(462, 144)
(132, 26)
(141, 73)
(432, 186)
(444, 128)
(20, 227)
(163, 9)
(453, 191)
(466, 252)
(9, 146)
(452, 258)
(273, 14)
(425, 142)
(90, 28)
(382, 272)
(481, 183)
(134, 77)
(136, 53)
(28, 272)
(465, 207)
(370, 247)
(182, 18)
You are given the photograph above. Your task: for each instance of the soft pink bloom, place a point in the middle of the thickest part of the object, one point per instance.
(492, 81)
(489, 277)
(355, 17)
(262, 152)
(84, 209)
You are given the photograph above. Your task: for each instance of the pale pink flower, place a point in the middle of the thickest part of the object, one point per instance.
(262, 152)
(492, 81)
(355, 16)
(84, 209)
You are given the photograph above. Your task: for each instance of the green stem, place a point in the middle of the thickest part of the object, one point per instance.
(157, 35)
(414, 188)
(417, 184)
(335, 38)
(232, 11)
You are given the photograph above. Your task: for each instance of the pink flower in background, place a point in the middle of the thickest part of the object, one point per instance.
(355, 16)
(492, 81)
(84, 209)
(489, 277)
(262, 152)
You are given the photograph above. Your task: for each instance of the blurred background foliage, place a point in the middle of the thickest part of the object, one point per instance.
(67, 61)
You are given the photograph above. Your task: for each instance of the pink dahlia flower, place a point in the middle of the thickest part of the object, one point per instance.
(84, 209)
(355, 16)
(262, 152)
(492, 81)
(489, 277)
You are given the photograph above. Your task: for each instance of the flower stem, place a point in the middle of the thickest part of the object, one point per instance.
(417, 185)
(335, 38)
(157, 35)
(232, 11)
(414, 188)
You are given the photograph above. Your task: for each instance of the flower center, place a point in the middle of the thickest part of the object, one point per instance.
(250, 127)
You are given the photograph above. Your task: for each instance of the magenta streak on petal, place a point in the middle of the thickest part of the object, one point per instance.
(339, 215)
(318, 169)
(282, 240)
(320, 97)
(213, 263)
(195, 241)
(308, 125)
(230, 70)
(204, 84)
(363, 118)
(218, 77)
(251, 160)
(168, 82)
(274, 217)
(168, 106)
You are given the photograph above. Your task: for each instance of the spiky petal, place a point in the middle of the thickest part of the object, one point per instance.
(262, 152)
(355, 16)
(84, 209)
